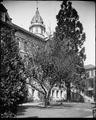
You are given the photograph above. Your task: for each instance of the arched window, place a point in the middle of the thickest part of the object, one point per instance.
(42, 31)
(57, 93)
(36, 29)
(33, 92)
(21, 45)
(52, 92)
(61, 93)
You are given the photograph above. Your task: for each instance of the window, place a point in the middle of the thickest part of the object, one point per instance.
(92, 73)
(42, 31)
(57, 93)
(61, 93)
(90, 83)
(36, 20)
(33, 30)
(33, 92)
(39, 30)
(36, 29)
(21, 45)
(87, 74)
(52, 93)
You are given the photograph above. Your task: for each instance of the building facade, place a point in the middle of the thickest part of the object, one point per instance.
(90, 80)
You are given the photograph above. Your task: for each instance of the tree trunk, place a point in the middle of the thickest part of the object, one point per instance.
(47, 98)
(68, 91)
(46, 101)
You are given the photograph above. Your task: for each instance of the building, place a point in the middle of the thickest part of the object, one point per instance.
(30, 42)
(90, 80)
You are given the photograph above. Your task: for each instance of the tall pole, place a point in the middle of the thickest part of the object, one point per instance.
(37, 4)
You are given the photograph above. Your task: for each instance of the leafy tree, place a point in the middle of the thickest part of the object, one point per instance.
(12, 83)
(68, 45)
(43, 74)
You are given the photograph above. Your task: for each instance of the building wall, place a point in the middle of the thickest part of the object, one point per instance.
(29, 45)
(90, 82)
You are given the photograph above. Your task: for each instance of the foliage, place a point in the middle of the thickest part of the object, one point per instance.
(42, 75)
(12, 84)
(69, 38)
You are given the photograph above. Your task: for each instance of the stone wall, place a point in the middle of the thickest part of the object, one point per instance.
(29, 45)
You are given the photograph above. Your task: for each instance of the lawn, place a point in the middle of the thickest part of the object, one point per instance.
(66, 110)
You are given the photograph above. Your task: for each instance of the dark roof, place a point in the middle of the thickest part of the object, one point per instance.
(90, 66)
(2, 8)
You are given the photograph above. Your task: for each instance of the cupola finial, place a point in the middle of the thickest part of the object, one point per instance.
(37, 4)
(37, 25)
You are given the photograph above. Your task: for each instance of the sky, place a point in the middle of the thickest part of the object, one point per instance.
(22, 12)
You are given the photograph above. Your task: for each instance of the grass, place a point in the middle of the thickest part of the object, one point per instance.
(56, 110)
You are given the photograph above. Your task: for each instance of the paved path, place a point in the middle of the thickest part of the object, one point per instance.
(67, 110)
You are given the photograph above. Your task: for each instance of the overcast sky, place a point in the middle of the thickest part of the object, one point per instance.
(22, 12)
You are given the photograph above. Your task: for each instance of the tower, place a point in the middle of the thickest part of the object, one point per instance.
(37, 25)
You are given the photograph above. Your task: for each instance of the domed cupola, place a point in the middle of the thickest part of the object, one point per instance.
(37, 25)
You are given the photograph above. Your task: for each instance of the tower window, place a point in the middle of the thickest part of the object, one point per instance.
(32, 30)
(92, 73)
(42, 31)
(39, 30)
(36, 29)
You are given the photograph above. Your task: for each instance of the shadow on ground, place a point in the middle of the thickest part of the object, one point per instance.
(22, 110)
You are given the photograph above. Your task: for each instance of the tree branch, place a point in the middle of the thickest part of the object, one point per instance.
(36, 88)
(41, 84)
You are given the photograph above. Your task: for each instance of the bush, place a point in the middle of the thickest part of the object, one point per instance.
(13, 89)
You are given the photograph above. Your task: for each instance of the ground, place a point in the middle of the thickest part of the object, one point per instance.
(66, 110)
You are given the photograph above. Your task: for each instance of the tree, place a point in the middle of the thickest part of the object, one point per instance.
(68, 40)
(43, 74)
(12, 83)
